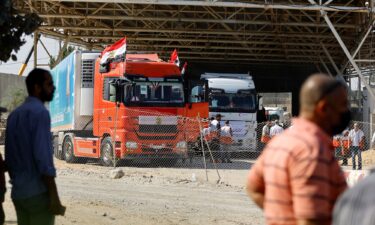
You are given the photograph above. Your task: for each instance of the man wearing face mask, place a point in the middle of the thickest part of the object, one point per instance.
(297, 180)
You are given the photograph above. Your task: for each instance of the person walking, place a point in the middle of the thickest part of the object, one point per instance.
(225, 142)
(29, 154)
(276, 129)
(357, 138)
(296, 180)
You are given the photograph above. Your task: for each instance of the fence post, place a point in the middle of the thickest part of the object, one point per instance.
(209, 150)
(202, 146)
(115, 134)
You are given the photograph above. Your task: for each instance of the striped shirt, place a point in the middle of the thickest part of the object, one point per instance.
(299, 175)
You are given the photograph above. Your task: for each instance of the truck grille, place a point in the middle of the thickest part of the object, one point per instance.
(159, 129)
(144, 149)
(141, 137)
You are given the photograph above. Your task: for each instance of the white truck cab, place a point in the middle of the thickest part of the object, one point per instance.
(234, 97)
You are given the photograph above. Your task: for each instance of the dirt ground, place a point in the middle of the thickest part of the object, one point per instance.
(158, 195)
(368, 160)
(152, 195)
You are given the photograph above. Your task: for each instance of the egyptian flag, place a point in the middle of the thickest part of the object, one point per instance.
(174, 58)
(118, 49)
(183, 70)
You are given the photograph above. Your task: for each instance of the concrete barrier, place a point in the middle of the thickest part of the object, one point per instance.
(354, 176)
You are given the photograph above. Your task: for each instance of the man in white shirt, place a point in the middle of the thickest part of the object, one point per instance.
(276, 129)
(373, 141)
(356, 136)
(225, 142)
(215, 129)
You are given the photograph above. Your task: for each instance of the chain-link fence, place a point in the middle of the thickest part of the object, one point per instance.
(149, 138)
(354, 147)
(2, 130)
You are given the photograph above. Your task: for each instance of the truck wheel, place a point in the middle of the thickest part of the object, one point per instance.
(68, 150)
(58, 154)
(106, 152)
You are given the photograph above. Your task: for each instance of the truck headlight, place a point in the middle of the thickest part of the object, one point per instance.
(181, 144)
(131, 145)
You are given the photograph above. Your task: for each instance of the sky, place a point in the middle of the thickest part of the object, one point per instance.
(12, 67)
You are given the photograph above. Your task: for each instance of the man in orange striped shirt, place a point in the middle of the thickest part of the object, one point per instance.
(297, 180)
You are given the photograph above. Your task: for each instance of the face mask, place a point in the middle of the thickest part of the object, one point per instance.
(345, 118)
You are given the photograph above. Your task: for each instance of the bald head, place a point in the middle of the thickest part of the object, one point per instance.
(324, 101)
(317, 87)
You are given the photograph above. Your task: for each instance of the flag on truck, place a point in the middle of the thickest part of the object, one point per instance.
(116, 50)
(174, 58)
(183, 70)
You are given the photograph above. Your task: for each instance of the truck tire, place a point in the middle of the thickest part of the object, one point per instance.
(58, 154)
(106, 152)
(68, 150)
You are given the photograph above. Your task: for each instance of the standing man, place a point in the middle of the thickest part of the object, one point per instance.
(225, 142)
(357, 138)
(345, 147)
(276, 129)
(215, 129)
(266, 136)
(297, 180)
(29, 155)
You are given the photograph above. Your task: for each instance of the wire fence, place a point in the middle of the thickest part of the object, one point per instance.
(147, 138)
(2, 130)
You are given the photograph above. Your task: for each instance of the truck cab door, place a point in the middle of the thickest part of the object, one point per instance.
(197, 99)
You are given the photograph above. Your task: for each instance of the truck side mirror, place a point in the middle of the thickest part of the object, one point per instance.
(104, 68)
(259, 102)
(119, 86)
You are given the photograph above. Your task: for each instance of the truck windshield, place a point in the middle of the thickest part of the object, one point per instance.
(155, 94)
(228, 102)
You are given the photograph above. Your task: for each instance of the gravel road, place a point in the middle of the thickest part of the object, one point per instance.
(151, 196)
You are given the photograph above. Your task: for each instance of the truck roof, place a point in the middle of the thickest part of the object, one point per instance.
(227, 75)
(150, 65)
(152, 69)
(143, 57)
(230, 85)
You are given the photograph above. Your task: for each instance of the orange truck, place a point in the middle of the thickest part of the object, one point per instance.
(138, 107)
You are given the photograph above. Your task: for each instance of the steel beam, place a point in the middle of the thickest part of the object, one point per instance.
(195, 31)
(36, 38)
(369, 30)
(305, 7)
(186, 19)
(338, 72)
(347, 53)
(202, 40)
(325, 66)
(364, 60)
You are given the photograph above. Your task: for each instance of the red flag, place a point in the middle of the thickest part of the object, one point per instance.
(112, 51)
(174, 58)
(183, 70)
